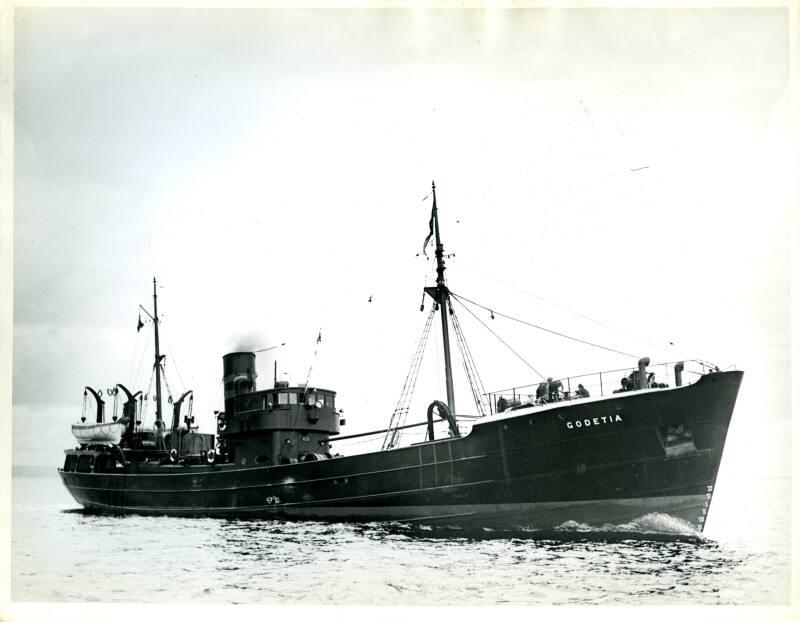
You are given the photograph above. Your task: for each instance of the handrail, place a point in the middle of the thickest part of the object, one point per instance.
(605, 371)
(523, 395)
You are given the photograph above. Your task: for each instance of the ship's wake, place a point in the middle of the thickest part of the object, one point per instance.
(653, 526)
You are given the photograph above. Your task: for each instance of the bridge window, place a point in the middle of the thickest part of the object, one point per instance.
(283, 399)
(252, 402)
(329, 401)
(293, 398)
(70, 462)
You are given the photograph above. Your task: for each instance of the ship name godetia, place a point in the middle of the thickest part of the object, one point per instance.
(587, 423)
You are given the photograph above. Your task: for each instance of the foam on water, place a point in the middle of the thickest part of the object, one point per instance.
(652, 523)
(664, 523)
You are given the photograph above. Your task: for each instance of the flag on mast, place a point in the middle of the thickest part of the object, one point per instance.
(430, 228)
(140, 324)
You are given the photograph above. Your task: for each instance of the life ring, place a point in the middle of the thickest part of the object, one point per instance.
(210, 455)
(173, 455)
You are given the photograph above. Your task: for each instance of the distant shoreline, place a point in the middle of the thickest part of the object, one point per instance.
(32, 470)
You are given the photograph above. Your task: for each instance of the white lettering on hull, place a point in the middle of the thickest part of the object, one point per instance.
(587, 423)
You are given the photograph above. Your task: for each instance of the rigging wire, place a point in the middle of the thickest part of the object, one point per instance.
(174, 361)
(314, 357)
(479, 388)
(509, 317)
(166, 384)
(134, 350)
(138, 341)
(141, 361)
(470, 369)
(147, 395)
(558, 306)
(404, 401)
(479, 384)
(216, 395)
(517, 354)
(308, 377)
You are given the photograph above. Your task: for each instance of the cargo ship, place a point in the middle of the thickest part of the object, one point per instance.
(533, 460)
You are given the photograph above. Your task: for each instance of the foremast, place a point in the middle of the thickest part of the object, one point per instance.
(441, 295)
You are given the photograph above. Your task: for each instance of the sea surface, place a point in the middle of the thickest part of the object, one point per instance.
(60, 554)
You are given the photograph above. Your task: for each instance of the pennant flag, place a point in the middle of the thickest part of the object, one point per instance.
(430, 227)
(140, 324)
(319, 337)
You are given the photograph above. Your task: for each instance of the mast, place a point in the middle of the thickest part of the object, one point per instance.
(157, 364)
(443, 300)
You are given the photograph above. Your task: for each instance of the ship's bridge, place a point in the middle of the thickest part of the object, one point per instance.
(281, 408)
(279, 425)
(284, 396)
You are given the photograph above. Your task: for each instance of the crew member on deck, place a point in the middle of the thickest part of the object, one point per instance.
(541, 393)
(554, 389)
(582, 391)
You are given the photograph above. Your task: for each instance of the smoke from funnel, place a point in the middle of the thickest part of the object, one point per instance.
(247, 342)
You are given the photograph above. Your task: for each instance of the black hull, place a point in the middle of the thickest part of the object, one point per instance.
(534, 468)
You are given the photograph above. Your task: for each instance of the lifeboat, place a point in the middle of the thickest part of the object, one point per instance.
(99, 433)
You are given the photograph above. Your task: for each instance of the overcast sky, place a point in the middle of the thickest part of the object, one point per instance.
(271, 169)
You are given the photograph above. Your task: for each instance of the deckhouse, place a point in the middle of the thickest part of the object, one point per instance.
(281, 425)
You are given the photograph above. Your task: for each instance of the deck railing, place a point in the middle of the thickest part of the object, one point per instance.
(597, 384)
